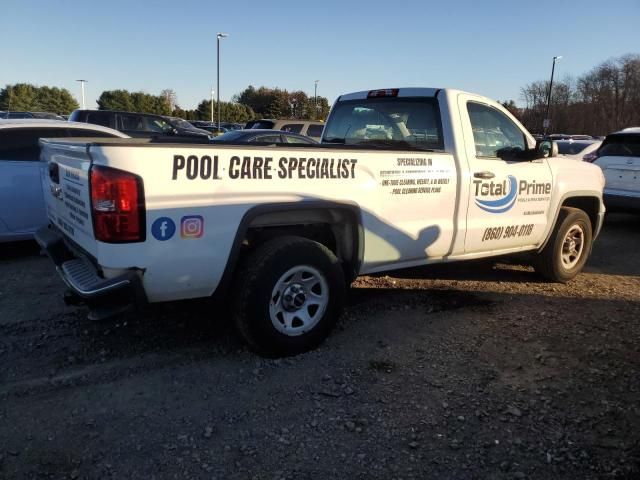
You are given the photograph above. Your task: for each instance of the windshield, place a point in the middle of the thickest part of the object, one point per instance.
(620, 146)
(572, 148)
(180, 123)
(393, 122)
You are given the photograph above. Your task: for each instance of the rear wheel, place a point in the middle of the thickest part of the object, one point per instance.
(568, 248)
(288, 296)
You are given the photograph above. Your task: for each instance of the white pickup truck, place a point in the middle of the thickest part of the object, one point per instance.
(403, 177)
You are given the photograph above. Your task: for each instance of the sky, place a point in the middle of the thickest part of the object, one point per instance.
(488, 47)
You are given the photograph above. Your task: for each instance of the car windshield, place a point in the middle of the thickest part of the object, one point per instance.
(620, 146)
(180, 123)
(572, 148)
(390, 122)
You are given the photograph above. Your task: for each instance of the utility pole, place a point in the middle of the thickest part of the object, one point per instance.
(547, 122)
(218, 37)
(82, 82)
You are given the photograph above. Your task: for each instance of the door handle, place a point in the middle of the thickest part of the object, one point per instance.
(485, 175)
(56, 191)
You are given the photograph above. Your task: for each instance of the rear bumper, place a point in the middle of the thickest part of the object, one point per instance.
(105, 297)
(616, 200)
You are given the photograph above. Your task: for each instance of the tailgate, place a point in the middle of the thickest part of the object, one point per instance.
(623, 173)
(65, 184)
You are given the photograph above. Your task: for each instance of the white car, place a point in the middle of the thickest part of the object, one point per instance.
(619, 159)
(22, 209)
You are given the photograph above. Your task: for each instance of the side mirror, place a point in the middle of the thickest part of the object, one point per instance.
(547, 149)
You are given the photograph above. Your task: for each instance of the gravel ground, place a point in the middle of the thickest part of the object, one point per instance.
(456, 372)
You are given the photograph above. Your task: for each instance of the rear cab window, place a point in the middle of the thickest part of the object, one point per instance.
(394, 122)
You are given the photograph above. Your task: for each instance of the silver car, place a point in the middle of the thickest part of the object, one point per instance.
(22, 209)
(619, 159)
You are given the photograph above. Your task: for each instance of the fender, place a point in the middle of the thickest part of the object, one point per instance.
(575, 194)
(258, 210)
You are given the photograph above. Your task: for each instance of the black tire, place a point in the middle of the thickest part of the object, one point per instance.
(549, 262)
(258, 275)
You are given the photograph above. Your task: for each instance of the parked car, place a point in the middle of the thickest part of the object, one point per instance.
(209, 127)
(619, 158)
(22, 209)
(231, 126)
(40, 115)
(577, 149)
(309, 128)
(564, 136)
(265, 136)
(139, 124)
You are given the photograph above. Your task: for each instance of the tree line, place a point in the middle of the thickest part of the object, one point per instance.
(603, 100)
(23, 97)
(249, 104)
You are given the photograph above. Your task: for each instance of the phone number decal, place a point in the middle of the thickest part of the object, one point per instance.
(498, 233)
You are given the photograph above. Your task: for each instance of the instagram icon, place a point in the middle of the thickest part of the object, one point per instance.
(191, 226)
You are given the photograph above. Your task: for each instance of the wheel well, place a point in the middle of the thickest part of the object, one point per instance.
(590, 205)
(336, 228)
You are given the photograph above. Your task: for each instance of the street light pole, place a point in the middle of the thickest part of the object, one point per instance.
(82, 82)
(212, 93)
(218, 37)
(547, 121)
(315, 99)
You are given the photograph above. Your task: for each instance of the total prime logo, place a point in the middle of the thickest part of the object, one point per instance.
(508, 191)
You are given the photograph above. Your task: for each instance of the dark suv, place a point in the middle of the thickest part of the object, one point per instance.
(139, 124)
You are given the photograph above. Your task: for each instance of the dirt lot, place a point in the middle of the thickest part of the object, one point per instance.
(470, 371)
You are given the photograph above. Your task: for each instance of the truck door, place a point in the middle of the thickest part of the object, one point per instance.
(509, 197)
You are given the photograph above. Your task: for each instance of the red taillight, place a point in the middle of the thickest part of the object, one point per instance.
(590, 157)
(117, 203)
(388, 92)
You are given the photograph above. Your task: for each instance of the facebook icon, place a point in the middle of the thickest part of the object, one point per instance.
(163, 229)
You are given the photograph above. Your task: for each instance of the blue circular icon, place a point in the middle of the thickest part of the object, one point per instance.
(163, 229)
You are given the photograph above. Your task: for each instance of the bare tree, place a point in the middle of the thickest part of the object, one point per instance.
(605, 99)
(170, 98)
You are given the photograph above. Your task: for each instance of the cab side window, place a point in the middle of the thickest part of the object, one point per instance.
(292, 127)
(494, 134)
(315, 130)
(100, 118)
(154, 124)
(130, 122)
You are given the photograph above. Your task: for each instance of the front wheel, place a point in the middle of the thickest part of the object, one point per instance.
(288, 296)
(568, 247)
